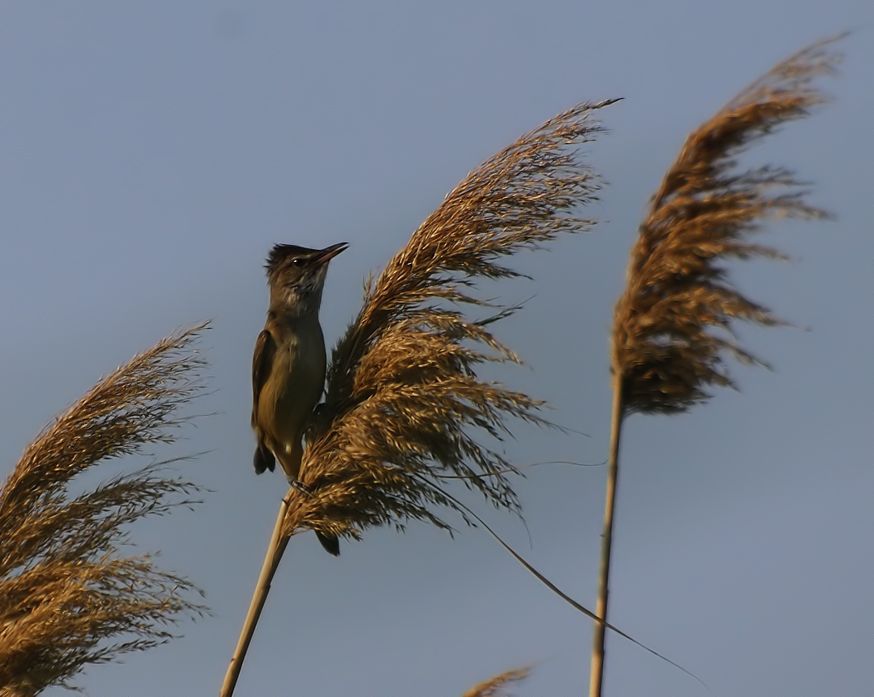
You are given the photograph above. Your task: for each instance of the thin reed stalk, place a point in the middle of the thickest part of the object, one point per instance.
(599, 639)
(272, 557)
(672, 329)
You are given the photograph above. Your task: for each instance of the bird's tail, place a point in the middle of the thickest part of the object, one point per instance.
(263, 459)
(331, 543)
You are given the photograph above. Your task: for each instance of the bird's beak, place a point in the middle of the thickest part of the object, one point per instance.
(328, 253)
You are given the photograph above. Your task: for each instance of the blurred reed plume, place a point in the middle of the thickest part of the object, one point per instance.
(403, 394)
(404, 402)
(664, 345)
(496, 686)
(672, 324)
(68, 597)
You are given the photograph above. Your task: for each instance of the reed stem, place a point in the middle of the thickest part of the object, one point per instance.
(275, 550)
(596, 674)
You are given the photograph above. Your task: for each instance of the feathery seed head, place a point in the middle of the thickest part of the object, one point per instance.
(404, 403)
(496, 686)
(672, 324)
(67, 597)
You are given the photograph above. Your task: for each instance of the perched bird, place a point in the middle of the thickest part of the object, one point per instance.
(288, 368)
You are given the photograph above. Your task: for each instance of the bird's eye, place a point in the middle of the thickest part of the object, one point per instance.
(298, 261)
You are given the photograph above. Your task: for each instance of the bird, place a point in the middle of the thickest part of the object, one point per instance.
(289, 362)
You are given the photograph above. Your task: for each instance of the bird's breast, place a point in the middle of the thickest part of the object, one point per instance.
(297, 378)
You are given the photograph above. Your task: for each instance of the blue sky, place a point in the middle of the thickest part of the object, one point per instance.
(153, 152)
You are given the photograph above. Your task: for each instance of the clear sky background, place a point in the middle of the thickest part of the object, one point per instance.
(151, 153)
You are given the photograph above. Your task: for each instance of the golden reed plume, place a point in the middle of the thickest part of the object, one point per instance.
(672, 324)
(497, 685)
(664, 345)
(404, 402)
(68, 598)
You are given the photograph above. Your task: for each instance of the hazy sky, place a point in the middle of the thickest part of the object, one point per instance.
(152, 152)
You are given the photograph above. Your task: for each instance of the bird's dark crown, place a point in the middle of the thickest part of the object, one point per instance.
(283, 253)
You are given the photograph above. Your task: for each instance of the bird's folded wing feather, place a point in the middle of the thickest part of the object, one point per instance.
(265, 348)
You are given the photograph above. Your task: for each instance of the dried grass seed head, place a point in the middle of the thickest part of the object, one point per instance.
(497, 685)
(672, 324)
(404, 401)
(67, 596)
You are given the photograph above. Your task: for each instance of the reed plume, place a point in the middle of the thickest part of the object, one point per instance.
(68, 596)
(404, 404)
(669, 332)
(496, 686)
(672, 325)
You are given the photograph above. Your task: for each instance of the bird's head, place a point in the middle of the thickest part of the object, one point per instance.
(296, 276)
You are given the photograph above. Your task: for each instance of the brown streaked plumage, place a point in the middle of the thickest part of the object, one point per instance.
(288, 365)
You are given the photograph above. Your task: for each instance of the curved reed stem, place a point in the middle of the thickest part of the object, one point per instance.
(596, 674)
(275, 550)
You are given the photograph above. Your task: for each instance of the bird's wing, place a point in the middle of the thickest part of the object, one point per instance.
(265, 348)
